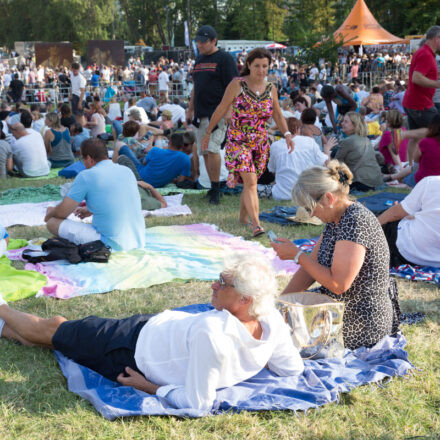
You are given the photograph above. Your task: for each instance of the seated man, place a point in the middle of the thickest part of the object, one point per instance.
(162, 166)
(288, 166)
(6, 163)
(412, 228)
(78, 134)
(111, 195)
(29, 152)
(182, 357)
(132, 105)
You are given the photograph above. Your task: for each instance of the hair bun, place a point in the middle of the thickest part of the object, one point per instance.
(340, 172)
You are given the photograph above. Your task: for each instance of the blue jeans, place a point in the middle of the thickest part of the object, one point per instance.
(127, 152)
(117, 125)
(410, 180)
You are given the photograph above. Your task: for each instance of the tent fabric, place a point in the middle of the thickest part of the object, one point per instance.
(360, 27)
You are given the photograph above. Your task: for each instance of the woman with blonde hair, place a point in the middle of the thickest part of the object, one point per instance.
(351, 258)
(57, 142)
(357, 152)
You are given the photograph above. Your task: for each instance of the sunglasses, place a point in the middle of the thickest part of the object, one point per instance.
(223, 283)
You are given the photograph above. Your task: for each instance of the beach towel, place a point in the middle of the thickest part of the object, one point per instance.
(18, 284)
(32, 214)
(321, 383)
(30, 194)
(380, 202)
(52, 174)
(181, 252)
(407, 271)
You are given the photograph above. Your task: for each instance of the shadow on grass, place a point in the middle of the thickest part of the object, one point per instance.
(31, 381)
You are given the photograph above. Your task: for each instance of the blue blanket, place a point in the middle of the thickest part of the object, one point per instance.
(279, 215)
(380, 202)
(320, 383)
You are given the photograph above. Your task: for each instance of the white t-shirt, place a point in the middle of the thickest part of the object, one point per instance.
(178, 112)
(163, 80)
(78, 83)
(418, 239)
(190, 356)
(30, 154)
(288, 166)
(144, 117)
(313, 72)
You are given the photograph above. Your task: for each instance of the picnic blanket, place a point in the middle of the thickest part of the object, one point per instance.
(18, 284)
(30, 194)
(407, 271)
(279, 215)
(380, 202)
(52, 174)
(171, 253)
(32, 214)
(321, 383)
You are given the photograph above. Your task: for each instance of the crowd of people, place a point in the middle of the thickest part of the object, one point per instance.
(314, 144)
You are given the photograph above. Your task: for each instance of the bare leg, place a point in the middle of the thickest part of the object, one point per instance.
(418, 133)
(29, 328)
(213, 163)
(8, 333)
(244, 216)
(250, 197)
(53, 225)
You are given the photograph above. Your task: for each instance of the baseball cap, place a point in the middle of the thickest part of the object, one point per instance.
(205, 33)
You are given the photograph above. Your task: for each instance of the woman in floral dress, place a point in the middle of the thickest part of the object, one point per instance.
(254, 101)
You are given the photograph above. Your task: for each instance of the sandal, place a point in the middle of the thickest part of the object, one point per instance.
(258, 230)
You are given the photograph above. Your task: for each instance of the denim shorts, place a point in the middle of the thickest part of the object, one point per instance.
(420, 118)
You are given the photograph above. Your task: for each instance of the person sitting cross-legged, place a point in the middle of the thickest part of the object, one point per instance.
(112, 197)
(181, 357)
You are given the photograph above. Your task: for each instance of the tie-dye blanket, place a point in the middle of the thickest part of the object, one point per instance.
(171, 253)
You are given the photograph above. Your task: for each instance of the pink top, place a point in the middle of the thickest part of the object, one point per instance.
(386, 140)
(430, 159)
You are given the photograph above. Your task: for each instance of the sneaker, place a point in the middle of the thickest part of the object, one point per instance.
(214, 198)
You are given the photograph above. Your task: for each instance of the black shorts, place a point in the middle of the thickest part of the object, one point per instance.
(390, 231)
(75, 102)
(420, 118)
(104, 345)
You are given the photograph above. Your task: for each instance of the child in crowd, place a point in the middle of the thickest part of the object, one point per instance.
(391, 145)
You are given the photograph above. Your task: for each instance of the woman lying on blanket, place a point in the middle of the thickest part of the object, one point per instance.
(351, 258)
(179, 356)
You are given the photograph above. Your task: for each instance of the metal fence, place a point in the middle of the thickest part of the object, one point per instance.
(372, 77)
(59, 93)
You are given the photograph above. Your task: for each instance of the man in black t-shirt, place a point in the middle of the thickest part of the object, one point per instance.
(214, 69)
(16, 89)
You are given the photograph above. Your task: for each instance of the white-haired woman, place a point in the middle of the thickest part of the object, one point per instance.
(351, 258)
(179, 356)
(356, 151)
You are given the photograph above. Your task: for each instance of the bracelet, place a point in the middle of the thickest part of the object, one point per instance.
(287, 133)
(295, 260)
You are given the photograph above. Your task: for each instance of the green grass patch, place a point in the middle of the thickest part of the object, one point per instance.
(35, 403)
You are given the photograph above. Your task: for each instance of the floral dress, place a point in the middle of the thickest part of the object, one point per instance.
(247, 147)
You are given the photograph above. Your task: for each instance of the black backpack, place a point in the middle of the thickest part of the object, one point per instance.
(62, 249)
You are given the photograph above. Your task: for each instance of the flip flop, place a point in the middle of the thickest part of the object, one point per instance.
(258, 231)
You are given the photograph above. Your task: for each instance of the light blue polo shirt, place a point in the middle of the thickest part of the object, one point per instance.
(111, 193)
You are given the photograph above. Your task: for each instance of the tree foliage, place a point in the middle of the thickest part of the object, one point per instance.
(160, 22)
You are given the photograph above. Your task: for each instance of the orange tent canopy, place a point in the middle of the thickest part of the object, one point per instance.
(360, 27)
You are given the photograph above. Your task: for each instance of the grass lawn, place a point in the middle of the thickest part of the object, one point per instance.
(35, 402)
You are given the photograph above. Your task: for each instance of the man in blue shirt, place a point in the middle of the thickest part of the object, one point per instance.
(78, 134)
(112, 197)
(148, 103)
(162, 166)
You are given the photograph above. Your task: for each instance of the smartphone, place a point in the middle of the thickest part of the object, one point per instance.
(272, 236)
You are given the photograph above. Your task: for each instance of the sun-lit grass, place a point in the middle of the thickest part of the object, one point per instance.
(35, 403)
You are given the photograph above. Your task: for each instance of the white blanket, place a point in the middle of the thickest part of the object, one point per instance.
(32, 214)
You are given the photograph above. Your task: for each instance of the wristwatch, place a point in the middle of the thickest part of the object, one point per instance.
(295, 260)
